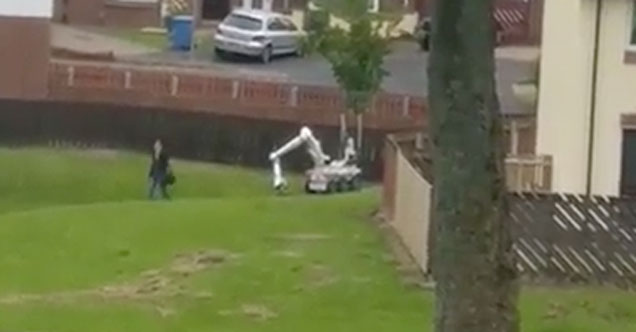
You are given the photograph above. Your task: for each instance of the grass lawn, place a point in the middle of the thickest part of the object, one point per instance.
(81, 250)
(159, 41)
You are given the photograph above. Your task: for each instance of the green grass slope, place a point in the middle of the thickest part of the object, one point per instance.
(82, 250)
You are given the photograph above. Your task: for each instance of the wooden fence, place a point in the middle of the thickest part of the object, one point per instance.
(575, 239)
(189, 90)
(557, 238)
(529, 173)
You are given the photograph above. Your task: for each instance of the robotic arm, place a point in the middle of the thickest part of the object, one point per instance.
(314, 149)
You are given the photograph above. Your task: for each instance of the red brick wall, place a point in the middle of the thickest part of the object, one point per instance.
(106, 12)
(189, 90)
(25, 57)
(83, 12)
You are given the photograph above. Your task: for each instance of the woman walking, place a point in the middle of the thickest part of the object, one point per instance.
(159, 174)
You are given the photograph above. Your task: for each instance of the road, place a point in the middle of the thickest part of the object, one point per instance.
(406, 64)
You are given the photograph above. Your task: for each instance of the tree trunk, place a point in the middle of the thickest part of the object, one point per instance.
(473, 262)
(360, 129)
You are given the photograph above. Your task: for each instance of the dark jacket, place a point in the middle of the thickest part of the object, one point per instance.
(159, 166)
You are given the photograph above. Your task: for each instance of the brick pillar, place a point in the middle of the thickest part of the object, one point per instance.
(25, 30)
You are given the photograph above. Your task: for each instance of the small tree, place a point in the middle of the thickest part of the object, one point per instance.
(357, 57)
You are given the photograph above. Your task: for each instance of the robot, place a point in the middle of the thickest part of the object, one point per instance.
(327, 175)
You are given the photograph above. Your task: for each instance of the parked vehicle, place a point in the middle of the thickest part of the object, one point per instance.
(259, 34)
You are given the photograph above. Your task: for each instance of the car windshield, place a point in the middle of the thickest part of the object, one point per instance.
(243, 22)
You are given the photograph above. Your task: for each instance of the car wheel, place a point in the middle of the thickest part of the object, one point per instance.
(266, 57)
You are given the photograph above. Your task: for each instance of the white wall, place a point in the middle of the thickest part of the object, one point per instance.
(616, 96)
(563, 116)
(26, 8)
(566, 87)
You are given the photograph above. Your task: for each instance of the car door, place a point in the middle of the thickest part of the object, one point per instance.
(292, 37)
(276, 33)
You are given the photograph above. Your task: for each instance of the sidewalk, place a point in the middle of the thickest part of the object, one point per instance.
(80, 40)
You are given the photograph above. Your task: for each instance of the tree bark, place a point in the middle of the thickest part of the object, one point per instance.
(473, 262)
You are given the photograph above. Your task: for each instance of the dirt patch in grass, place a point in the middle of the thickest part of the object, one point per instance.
(611, 312)
(315, 276)
(161, 283)
(255, 311)
(318, 276)
(288, 254)
(259, 312)
(556, 311)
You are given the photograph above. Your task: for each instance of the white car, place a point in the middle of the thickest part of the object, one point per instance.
(259, 34)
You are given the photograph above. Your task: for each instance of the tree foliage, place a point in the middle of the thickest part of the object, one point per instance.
(355, 48)
(357, 58)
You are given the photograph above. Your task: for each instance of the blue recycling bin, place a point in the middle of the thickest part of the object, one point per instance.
(181, 32)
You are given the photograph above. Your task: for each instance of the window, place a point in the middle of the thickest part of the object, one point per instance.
(276, 24)
(243, 22)
(289, 25)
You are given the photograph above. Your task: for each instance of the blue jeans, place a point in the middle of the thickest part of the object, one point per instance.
(157, 187)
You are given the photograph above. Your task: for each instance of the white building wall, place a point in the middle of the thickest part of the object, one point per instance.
(616, 96)
(26, 8)
(563, 115)
(566, 88)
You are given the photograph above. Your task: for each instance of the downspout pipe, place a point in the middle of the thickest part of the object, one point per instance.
(593, 98)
